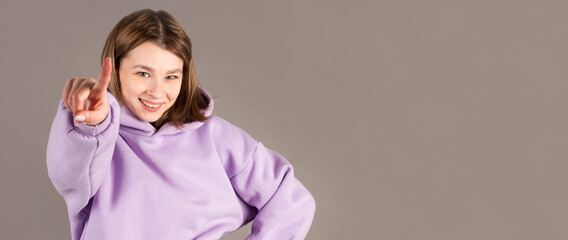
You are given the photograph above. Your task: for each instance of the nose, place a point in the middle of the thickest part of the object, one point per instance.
(155, 89)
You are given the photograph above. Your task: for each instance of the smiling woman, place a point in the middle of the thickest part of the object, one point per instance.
(151, 80)
(149, 160)
(165, 45)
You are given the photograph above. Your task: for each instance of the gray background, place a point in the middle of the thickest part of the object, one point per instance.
(405, 119)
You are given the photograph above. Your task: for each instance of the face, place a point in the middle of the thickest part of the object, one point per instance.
(150, 78)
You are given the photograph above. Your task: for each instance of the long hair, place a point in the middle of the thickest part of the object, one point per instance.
(161, 28)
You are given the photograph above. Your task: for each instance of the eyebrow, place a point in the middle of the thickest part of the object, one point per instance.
(177, 70)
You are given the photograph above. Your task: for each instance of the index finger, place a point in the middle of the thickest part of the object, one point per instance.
(104, 77)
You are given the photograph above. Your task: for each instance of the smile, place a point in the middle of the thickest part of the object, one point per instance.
(150, 106)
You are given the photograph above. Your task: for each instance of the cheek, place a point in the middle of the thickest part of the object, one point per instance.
(130, 96)
(129, 89)
(174, 90)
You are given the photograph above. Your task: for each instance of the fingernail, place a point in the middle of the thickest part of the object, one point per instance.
(80, 118)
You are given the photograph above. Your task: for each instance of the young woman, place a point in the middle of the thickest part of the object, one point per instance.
(147, 159)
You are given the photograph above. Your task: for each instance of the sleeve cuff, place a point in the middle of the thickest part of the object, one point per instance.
(96, 129)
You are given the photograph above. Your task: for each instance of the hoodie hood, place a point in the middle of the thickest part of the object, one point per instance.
(131, 123)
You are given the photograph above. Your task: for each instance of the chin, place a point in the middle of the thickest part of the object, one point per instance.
(151, 119)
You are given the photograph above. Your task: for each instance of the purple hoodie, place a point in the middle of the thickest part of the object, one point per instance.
(122, 179)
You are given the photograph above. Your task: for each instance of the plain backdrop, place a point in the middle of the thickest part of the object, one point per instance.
(405, 119)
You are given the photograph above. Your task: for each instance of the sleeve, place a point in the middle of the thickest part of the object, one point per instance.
(78, 158)
(285, 207)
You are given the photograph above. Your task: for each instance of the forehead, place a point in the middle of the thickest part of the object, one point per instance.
(151, 55)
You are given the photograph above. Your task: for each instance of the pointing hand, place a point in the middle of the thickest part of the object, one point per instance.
(87, 98)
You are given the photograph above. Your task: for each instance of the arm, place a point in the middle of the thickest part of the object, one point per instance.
(78, 158)
(285, 207)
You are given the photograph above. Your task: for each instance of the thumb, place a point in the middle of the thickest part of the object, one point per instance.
(90, 117)
(104, 77)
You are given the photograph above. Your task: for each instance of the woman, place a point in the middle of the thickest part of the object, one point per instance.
(147, 159)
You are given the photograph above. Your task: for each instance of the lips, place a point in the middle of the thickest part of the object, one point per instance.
(150, 106)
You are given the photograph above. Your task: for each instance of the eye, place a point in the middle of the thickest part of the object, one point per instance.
(172, 77)
(143, 74)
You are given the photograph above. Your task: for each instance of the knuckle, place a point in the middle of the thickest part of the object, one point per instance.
(72, 86)
(78, 82)
(85, 81)
(67, 84)
(91, 82)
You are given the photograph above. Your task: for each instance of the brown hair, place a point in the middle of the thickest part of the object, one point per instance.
(161, 28)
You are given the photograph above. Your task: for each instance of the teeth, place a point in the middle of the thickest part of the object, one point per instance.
(149, 105)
